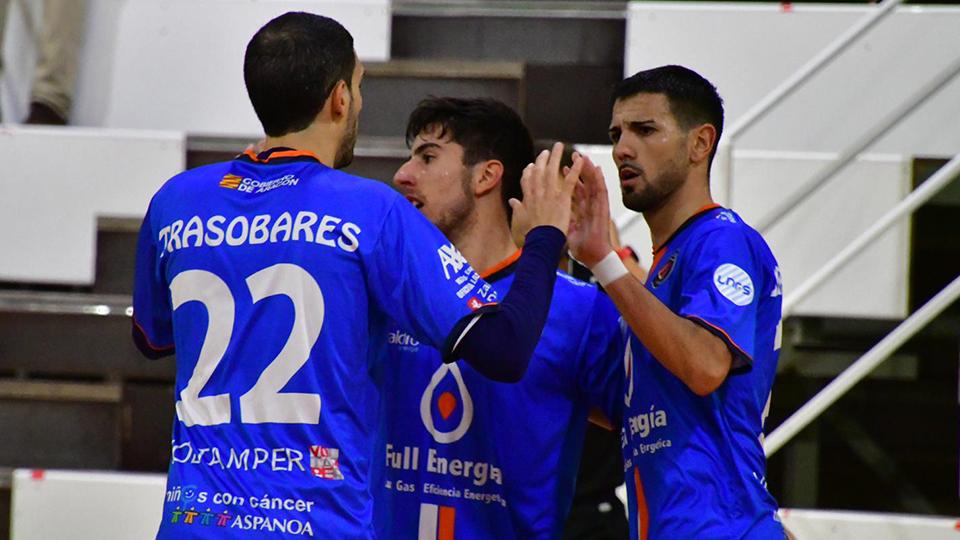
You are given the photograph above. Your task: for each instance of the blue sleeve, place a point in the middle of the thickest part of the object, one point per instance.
(419, 278)
(152, 314)
(498, 341)
(600, 370)
(721, 291)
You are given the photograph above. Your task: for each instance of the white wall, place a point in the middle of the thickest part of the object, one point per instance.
(746, 50)
(86, 505)
(874, 285)
(176, 64)
(55, 182)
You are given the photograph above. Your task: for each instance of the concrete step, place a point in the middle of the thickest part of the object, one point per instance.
(49, 424)
(572, 52)
(60, 425)
(589, 33)
(72, 335)
(392, 89)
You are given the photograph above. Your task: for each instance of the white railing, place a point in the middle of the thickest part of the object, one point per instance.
(861, 368)
(863, 142)
(924, 315)
(907, 206)
(776, 96)
(793, 83)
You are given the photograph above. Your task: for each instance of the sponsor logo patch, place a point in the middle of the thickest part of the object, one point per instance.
(734, 284)
(230, 181)
(325, 462)
(666, 270)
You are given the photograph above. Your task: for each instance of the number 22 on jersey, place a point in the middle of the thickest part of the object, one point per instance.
(263, 402)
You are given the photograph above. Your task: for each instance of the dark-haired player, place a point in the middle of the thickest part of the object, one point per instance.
(274, 277)
(706, 326)
(467, 457)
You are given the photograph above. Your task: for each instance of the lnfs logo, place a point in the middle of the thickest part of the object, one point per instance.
(447, 404)
(734, 284)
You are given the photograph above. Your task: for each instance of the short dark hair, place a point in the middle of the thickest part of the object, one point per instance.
(693, 99)
(485, 128)
(291, 65)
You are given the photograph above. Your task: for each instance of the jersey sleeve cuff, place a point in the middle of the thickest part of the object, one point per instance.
(742, 362)
(146, 348)
(460, 329)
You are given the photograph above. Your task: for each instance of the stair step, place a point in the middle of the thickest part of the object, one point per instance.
(75, 335)
(392, 89)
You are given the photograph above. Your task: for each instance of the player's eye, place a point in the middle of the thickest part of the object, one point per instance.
(427, 158)
(643, 129)
(614, 135)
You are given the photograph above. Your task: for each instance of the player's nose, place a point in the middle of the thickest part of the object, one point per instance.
(403, 176)
(623, 151)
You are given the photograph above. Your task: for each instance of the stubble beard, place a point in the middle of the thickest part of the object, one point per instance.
(344, 155)
(653, 193)
(456, 220)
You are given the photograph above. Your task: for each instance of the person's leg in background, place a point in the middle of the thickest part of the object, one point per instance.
(4, 4)
(56, 72)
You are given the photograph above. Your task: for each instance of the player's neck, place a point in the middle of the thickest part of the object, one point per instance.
(312, 140)
(487, 242)
(689, 199)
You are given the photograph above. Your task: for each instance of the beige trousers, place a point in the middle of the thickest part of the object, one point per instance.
(60, 37)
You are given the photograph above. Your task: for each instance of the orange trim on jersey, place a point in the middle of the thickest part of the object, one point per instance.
(446, 523)
(657, 256)
(501, 265)
(146, 338)
(659, 250)
(643, 513)
(726, 335)
(284, 154)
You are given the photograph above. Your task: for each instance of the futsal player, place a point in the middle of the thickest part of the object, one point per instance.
(705, 327)
(274, 276)
(470, 458)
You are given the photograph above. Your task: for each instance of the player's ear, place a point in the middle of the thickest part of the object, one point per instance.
(700, 142)
(339, 100)
(490, 176)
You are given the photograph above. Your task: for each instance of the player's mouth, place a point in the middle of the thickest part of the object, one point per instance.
(417, 203)
(629, 173)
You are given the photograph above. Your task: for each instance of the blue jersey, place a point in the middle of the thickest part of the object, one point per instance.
(473, 459)
(273, 277)
(694, 465)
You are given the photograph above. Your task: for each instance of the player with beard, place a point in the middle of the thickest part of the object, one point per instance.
(273, 276)
(470, 458)
(705, 327)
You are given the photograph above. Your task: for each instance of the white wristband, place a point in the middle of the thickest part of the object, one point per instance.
(609, 269)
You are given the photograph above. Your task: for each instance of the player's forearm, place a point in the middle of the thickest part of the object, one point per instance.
(500, 343)
(694, 355)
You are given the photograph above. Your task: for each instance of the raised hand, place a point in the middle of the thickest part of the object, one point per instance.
(547, 194)
(589, 236)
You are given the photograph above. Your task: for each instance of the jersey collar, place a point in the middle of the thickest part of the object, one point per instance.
(278, 154)
(660, 250)
(502, 269)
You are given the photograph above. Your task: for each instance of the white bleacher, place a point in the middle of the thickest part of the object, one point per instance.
(57, 181)
(175, 64)
(747, 50)
(817, 230)
(169, 68)
(89, 505)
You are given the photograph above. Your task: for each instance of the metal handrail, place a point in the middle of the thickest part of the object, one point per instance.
(861, 368)
(911, 202)
(792, 83)
(772, 217)
(784, 89)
